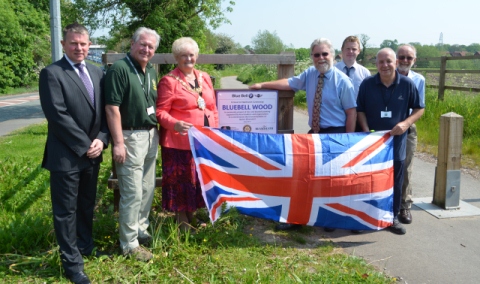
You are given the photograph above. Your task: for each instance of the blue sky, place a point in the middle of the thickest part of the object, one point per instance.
(299, 22)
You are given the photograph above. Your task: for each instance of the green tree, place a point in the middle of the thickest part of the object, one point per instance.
(266, 42)
(393, 44)
(474, 47)
(302, 53)
(364, 43)
(23, 42)
(427, 51)
(223, 44)
(171, 19)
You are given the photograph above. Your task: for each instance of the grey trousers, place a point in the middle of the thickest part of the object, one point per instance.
(407, 186)
(136, 180)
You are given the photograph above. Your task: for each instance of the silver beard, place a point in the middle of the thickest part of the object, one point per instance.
(403, 68)
(323, 67)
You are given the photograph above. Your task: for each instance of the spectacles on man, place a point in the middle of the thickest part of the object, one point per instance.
(403, 57)
(317, 55)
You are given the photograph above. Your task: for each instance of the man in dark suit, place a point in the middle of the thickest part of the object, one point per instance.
(72, 101)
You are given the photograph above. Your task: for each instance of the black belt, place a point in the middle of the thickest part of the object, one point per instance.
(139, 128)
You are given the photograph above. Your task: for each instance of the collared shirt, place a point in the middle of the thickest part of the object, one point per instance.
(338, 95)
(419, 81)
(398, 98)
(84, 69)
(358, 73)
(133, 92)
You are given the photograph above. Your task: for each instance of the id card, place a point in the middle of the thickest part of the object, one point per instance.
(150, 110)
(385, 114)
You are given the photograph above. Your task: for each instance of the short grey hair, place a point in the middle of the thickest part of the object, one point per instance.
(143, 30)
(180, 44)
(408, 45)
(387, 49)
(320, 41)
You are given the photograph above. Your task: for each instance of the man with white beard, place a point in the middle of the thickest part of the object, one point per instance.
(331, 97)
(338, 100)
(406, 56)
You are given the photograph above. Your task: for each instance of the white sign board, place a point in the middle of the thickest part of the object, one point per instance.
(248, 110)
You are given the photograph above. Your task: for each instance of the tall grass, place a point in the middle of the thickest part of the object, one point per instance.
(462, 103)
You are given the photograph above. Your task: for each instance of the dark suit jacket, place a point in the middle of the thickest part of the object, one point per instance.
(73, 122)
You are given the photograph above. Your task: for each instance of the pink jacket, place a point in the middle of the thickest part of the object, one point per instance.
(175, 102)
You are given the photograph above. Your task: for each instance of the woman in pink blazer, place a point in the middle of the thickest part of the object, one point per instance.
(185, 98)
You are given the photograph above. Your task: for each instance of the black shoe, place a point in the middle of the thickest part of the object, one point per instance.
(397, 228)
(287, 227)
(357, 231)
(145, 241)
(405, 216)
(97, 253)
(79, 278)
(328, 229)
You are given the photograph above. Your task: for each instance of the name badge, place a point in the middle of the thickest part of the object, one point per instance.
(385, 114)
(150, 110)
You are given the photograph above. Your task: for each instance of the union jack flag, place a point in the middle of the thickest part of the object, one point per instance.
(328, 180)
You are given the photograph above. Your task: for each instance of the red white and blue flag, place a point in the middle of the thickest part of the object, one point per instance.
(329, 180)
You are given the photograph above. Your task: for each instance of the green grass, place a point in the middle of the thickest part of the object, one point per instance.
(227, 252)
(23, 90)
(462, 103)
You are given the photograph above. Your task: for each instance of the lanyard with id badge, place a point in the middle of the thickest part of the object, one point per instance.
(387, 113)
(150, 110)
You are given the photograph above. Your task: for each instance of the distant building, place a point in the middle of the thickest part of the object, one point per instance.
(97, 49)
(458, 53)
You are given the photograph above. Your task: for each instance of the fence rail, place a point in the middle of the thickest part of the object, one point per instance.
(443, 71)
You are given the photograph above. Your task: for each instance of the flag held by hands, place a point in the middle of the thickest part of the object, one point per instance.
(328, 180)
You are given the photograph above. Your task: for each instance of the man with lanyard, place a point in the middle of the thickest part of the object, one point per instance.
(130, 95)
(356, 72)
(330, 97)
(406, 56)
(384, 102)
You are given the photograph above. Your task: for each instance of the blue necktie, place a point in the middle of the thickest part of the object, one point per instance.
(86, 82)
(348, 70)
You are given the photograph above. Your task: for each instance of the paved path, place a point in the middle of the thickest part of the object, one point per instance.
(433, 250)
(19, 111)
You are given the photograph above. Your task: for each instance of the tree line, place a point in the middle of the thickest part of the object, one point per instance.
(25, 46)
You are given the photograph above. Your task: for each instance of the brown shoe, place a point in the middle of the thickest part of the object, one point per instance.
(405, 216)
(139, 253)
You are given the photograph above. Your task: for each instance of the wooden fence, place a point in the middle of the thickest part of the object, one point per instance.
(443, 71)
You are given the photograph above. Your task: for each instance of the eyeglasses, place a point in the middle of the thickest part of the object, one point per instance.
(317, 55)
(402, 57)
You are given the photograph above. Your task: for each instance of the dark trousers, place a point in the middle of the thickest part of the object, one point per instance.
(73, 200)
(397, 186)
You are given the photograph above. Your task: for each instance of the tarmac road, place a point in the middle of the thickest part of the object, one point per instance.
(434, 250)
(19, 111)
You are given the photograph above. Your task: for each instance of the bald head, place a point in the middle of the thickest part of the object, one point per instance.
(386, 63)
